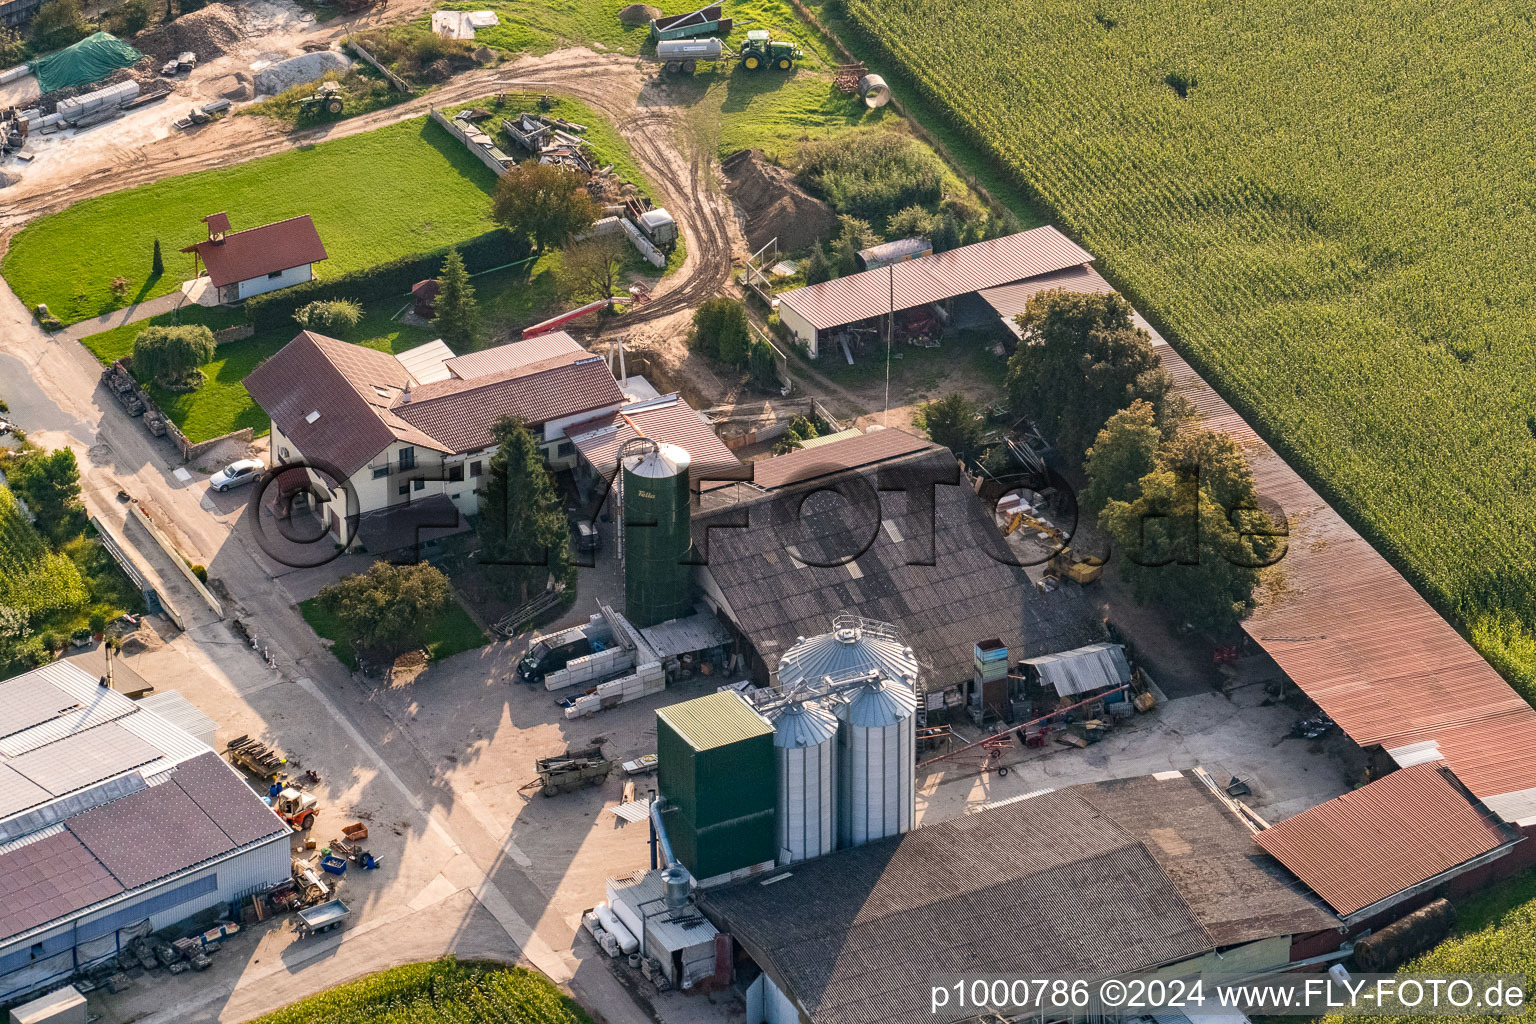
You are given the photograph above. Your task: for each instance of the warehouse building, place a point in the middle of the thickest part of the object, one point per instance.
(935, 285)
(1150, 874)
(113, 823)
(827, 531)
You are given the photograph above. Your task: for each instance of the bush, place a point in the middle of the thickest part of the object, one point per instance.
(131, 18)
(953, 421)
(764, 365)
(872, 173)
(201, 572)
(13, 48)
(910, 222)
(169, 355)
(720, 330)
(394, 279)
(60, 23)
(329, 314)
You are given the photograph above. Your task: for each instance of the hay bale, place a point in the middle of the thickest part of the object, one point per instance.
(1405, 938)
(774, 205)
(637, 15)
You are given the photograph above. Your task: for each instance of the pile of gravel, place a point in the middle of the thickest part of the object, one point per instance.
(209, 32)
(306, 67)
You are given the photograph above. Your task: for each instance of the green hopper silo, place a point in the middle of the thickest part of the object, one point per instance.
(658, 581)
(717, 774)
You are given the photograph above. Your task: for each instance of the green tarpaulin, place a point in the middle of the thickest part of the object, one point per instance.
(92, 58)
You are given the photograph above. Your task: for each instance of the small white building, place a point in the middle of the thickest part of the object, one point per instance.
(114, 823)
(241, 264)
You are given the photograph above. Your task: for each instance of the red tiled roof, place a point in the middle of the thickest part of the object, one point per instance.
(1367, 648)
(462, 414)
(257, 252)
(668, 419)
(351, 387)
(940, 276)
(1363, 847)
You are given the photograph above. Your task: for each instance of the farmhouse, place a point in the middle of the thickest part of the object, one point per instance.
(113, 823)
(927, 287)
(861, 526)
(402, 429)
(241, 264)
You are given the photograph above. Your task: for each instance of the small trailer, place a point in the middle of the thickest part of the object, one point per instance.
(323, 918)
(571, 770)
(705, 21)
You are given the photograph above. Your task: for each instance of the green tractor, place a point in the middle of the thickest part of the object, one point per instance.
(326, 99)
(759, 51)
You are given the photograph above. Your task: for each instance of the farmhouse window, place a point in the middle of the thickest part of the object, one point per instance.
(456, 473)
(407, 458)
(475, 469)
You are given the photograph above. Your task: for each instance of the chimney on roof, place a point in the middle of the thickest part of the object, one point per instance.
(405, 394)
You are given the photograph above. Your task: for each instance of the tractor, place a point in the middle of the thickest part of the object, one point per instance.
(296, 807)
(759, 51)
(326, 98)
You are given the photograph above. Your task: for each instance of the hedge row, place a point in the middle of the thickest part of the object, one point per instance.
(495, 248)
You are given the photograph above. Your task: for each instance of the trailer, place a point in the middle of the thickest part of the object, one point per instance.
(705, 21)
(323, 918)
(255, 757)
(571, 770)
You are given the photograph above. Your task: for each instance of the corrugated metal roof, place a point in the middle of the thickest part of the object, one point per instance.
(1363, 847)
(1009, 300)
(697, 632)
(714, 720)
(180, 712)
(1086, 668)
(429, 362)
(942, 275)
(1360, 641)
(514, 355)
(85, 758)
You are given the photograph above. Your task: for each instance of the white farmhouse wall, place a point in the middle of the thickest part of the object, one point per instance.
(259, 285)
(800, 327)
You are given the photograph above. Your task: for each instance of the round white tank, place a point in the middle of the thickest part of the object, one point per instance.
(689, 49)
(805, 749)
(874, 90)
(854, 646)
(876, 768)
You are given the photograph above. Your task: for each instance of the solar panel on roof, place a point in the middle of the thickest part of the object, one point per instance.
(26, 702)
(84, 758)
(149, 835)
(222, 795)
(48, 879)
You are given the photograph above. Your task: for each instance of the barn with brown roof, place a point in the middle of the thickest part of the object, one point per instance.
(241, 264)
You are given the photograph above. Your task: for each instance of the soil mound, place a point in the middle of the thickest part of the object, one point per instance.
(638, 14)
(210, 32)
(306, 67)
(774, 205)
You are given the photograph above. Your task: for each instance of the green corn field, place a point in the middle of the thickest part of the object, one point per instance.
(33, 579)
(441, 992)
(1329, 206)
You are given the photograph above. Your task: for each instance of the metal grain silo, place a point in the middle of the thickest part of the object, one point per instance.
(657, 580)
(805, 753)
(876, 739)
(855, 645)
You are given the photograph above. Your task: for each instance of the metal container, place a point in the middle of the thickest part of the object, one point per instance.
(805, 754)
(715, 771)
(690, 49)
(874, 90)
(854, 645)
(658, 582)
(876, 795)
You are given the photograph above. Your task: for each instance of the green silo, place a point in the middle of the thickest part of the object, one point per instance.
(658, 582)
(717, 774)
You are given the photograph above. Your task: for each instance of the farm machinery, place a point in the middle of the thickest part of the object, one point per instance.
(758, 51)
(326, 99)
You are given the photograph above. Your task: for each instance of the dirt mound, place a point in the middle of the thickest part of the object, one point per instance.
(638, 14)
(209, 33)
(306, 67)
(774, 205)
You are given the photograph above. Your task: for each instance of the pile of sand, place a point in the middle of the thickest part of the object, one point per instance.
(774, 205)
(210, 32)
(306, 67)
(636, 15)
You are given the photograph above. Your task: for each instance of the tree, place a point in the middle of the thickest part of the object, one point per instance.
(457, 315)
(817, 268)
(59, 23)
(389, 606)
(953, 421)
(157, 264)
(132, 17)
(763, 364)
(853, 235)
(1217, 461)
(329, 314)
(544, 203)
(522, 527)
(910, 222)
(946, 232)
(1123, 453)
(1080, 360)
(170, 356)
(593, 267)
(13, 48)
(49, 482)
(720, 329)
(801, 429)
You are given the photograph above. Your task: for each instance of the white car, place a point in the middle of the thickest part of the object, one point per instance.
(236, 474)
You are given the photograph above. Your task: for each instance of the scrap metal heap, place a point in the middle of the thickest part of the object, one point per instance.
(551, 140)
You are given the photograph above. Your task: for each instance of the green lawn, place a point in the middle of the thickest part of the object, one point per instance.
(442, 992)
(404, 189)
(454, 632)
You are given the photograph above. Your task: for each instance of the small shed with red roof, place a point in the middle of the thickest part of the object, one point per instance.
(241, 264)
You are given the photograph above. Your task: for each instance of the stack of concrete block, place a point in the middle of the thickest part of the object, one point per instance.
(593, 667)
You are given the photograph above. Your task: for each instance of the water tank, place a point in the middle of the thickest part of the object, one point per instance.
(876, 768)
(854, 646)
(874, 90)
(805, 752)
(658, 581)
(689, 49)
